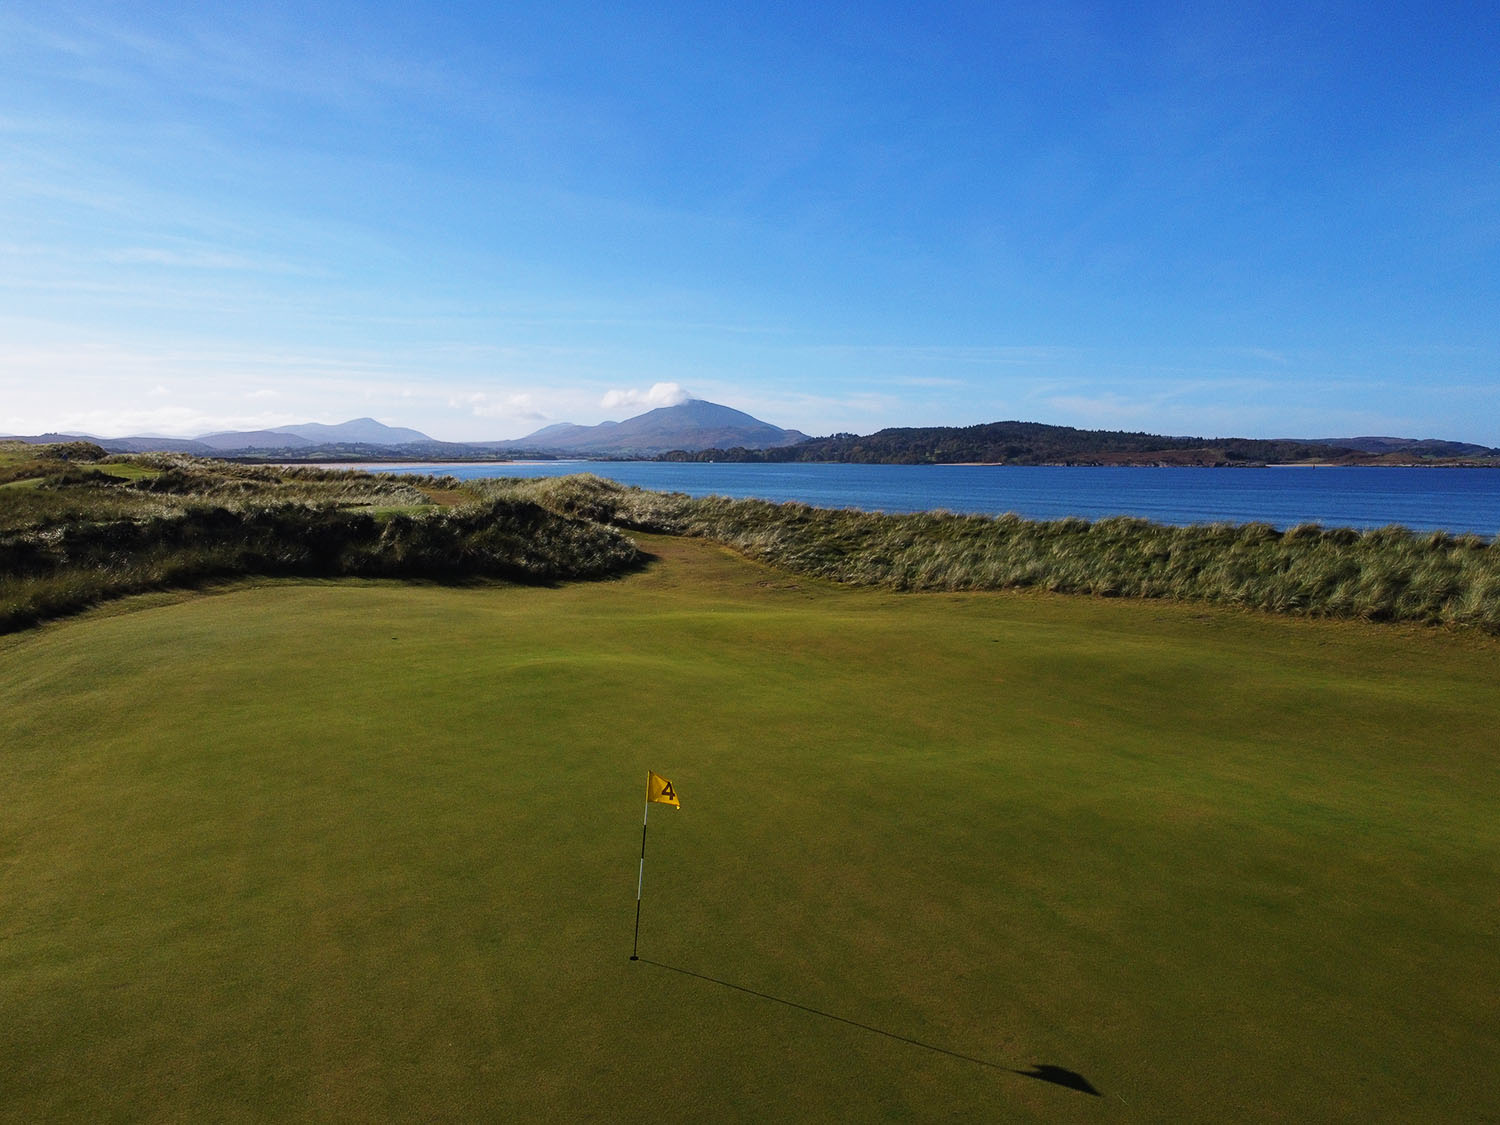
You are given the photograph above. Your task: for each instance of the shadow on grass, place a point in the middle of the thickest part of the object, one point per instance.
(1042, 1072)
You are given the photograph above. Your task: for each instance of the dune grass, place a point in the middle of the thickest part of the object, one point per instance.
(77, 534)
(362, 850)
(1387, 574)
(71, 492)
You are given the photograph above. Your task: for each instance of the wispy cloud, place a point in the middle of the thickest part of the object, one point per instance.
(519, 406)
(463, 219)
(924, 381)
(1010, 354)
(198, 259)
(232, 55)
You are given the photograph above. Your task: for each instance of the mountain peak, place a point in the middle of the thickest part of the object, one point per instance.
(691, 425)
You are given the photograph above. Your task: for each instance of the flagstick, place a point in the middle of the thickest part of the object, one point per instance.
(639, 879)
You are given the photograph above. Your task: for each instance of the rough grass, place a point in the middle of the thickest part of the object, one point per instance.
(85, 533)
(68, 484)
(368, 851)
(1390, 574)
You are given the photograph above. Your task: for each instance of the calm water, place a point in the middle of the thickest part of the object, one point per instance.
(1456, 500)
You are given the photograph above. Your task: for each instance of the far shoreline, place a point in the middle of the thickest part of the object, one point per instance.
(417, 463)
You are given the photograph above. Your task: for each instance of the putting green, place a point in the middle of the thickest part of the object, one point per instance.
(365, 850)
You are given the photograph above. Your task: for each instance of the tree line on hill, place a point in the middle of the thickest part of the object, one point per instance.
(1036, 443)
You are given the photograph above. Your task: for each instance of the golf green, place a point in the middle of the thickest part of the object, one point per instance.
(363, 850)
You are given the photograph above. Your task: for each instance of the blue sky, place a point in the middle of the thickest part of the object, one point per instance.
(1259, 220)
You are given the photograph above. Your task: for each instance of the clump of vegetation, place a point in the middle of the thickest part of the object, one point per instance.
(1390, 574)
(71, 537)
(20, 461)
(39, 489)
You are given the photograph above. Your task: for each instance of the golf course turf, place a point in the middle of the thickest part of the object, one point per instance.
(367, 850)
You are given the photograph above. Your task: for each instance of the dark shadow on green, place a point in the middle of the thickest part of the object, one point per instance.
(1042, 1072)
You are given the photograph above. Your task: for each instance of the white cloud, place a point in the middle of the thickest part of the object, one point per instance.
(660, 394)
(518, 405)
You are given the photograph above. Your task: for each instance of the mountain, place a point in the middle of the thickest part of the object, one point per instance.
(560, 435)
(693, 425)
(360, 431)
(231, 440)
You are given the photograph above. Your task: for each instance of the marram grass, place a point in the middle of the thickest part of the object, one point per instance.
(1386, 575)
(440, 528)
(83, 536)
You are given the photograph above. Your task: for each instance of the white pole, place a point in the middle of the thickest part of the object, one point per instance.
(640, 879)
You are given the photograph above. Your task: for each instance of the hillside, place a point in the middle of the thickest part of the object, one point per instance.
(699, 430)
(1423, 448)
(692, 425)
(1035, 443)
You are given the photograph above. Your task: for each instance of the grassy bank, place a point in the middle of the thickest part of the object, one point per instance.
(158, 522)
(1390, 575)
(360, 850)
(78, 529)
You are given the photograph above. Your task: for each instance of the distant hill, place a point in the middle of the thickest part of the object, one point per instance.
(365, 431)
(698, 430)
(251, 439)
(1411, 447)
(359, 431)
(695, 424)
(692, 425)
(362, 434)
(1036, 443)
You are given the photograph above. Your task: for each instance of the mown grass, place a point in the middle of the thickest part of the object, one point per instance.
(360, 850)
(1390, 574)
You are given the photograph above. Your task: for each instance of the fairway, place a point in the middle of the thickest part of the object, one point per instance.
(364, 850)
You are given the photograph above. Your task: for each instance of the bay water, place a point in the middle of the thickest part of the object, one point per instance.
(1422, 499)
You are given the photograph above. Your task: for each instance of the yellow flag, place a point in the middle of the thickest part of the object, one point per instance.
(660, 790)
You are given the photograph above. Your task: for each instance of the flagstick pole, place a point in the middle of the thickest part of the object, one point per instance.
(639, 879)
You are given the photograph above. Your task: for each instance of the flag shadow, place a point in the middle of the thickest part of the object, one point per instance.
(1042, 1072)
